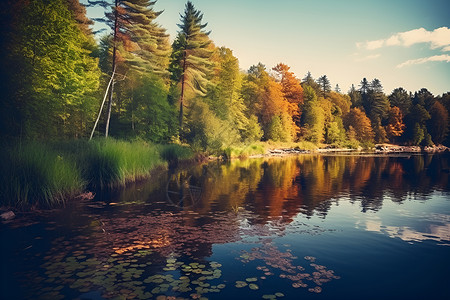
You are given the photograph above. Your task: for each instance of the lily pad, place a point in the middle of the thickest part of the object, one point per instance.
(253, 286)
(251, 279)
(240, 284)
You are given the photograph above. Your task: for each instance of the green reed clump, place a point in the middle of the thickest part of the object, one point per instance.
(174, 152)
(34, 174)
(111, 163)
(37, 174)
(243, 151)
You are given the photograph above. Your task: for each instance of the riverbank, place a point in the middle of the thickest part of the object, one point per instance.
(44, 175)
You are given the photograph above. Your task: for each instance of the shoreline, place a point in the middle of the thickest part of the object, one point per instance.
(379, 149)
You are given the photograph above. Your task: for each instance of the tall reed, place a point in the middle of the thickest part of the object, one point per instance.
(33, 175)
(37, 174)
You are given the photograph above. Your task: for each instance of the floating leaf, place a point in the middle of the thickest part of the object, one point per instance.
(253, 286)
(251, 279)
(279, 294)
(241, 284)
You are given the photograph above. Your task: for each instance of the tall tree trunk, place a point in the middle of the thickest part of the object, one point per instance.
(116, 25)
(183, 78)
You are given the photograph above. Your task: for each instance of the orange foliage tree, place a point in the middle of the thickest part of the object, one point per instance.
(395, 126)
(292, 92)
(358, 120)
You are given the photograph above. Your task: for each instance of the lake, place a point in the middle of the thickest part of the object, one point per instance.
(300, 227)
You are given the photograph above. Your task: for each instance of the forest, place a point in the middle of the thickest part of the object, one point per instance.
(54, 75)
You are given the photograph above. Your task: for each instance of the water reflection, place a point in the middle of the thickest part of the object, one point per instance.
(307, 184)
(158, 237)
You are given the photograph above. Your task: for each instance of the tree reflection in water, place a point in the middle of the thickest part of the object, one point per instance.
(141, 242)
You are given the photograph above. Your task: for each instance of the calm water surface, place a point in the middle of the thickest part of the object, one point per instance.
(314, 227)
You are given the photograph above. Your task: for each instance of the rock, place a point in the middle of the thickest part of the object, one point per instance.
(9, 215)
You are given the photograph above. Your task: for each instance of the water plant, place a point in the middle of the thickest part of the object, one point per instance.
(46, 174)
(32, 174)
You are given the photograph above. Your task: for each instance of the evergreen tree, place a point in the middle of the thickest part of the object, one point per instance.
(325, 86)
(401, 99)
(308, 80)
(355, 97)
(337, 89)
(191, 58)
(138, 42)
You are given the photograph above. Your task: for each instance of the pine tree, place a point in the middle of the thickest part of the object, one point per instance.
(337, 89)
(325, 86)
(192, 55)
(355, 97)
(400, 98)
(138, 41)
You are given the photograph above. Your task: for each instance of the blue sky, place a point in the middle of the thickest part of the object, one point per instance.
(402, 43)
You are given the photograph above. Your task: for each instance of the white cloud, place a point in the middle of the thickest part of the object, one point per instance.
(369, 57)
(375, 44)
(438, 38)
(443, 57)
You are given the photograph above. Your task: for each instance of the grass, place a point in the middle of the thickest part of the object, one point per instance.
(45, 175)
(33, 175)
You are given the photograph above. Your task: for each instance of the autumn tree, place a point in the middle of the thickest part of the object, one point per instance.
(395, 126)
(438, 123)
(292, 91)
(361, 125)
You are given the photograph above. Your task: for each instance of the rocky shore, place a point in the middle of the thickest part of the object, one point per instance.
(379, 148)
(389, 148)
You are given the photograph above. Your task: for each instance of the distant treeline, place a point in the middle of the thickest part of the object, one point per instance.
(54, 76)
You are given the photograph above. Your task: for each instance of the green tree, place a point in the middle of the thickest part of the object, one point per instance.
(337, 89)
(49, 77)
(355, 97)
(138, 42)
(309, 80)
(438, 123)
(313, 117)
(150, 114)
(192, 57)
(325, 86)
(401, 99)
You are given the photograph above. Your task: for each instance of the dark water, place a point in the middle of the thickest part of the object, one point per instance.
(314, 227)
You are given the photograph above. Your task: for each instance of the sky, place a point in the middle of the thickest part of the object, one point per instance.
(403, 43)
